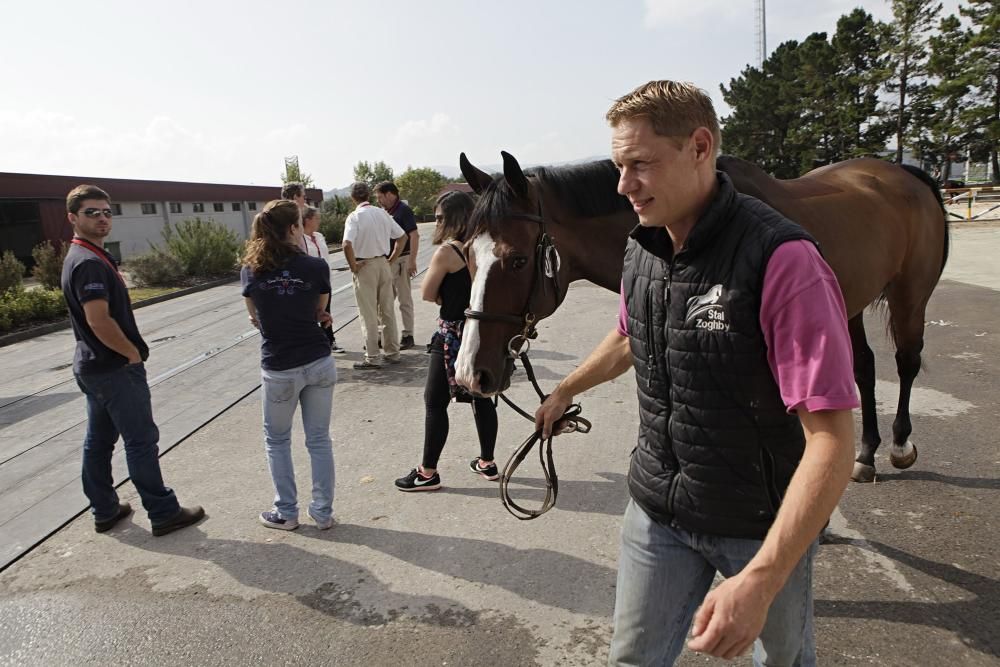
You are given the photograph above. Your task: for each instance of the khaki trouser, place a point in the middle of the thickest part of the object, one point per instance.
(373, 292)
(404, 293)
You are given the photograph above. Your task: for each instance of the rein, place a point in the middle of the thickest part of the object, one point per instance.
(547, 264)
(572, 422)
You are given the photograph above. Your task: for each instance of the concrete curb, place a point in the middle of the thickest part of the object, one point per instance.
(58, 325)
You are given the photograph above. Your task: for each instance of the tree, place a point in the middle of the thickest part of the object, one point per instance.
(983, 117)
(948, 67)
(907, 50)
(420, 187)
(817, 132)
(766, 118)
(859, 75)
(372, 174)
(293, 173)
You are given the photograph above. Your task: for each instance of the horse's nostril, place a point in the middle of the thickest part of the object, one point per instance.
(486, 382)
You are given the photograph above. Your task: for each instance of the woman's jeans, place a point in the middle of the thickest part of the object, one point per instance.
(311, 386)
(664, 574)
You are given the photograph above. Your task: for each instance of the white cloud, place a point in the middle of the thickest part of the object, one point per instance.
(669, 12)
(423, 141)
(57, 143)
(414, 131)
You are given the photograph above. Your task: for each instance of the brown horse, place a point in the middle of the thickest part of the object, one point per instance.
(881, 227)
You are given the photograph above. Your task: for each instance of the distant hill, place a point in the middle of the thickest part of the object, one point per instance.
(452, 171)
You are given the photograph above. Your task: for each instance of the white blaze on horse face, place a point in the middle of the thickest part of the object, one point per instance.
(465, 366)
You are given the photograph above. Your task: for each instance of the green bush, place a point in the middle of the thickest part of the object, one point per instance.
(331, 226)
(11, 272)
(19, 306)
(203, 247)
(48, 264)
(155, 269)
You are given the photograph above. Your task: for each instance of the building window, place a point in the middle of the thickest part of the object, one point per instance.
(236, 206)
(116, 209)
(175, 207)
(198, 207)
(149, 209)
(251, 206)
(218, 207)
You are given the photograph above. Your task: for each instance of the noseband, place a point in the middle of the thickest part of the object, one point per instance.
(547, 265)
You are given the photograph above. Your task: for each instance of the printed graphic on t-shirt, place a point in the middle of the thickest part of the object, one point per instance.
(707, 311)
(94, 287)
(285, 284)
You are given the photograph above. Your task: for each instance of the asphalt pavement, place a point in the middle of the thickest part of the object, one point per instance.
(909, 577)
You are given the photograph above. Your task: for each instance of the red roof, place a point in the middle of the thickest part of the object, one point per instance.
(452, 187)
(40, 186)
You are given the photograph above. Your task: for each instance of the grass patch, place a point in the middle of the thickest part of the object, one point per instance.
(143, 293)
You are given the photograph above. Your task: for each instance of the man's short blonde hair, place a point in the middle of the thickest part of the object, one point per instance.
(675, 109)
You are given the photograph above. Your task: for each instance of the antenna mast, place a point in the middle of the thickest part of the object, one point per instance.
(761, 29)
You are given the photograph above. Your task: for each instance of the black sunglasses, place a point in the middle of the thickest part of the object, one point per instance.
(97, 212)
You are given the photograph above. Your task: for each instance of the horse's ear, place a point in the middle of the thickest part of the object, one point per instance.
(476, 178)
(515, 178)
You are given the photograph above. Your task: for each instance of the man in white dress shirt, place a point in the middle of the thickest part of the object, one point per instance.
(369, 233)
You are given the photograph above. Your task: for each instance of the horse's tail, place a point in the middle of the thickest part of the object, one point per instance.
(929, 182)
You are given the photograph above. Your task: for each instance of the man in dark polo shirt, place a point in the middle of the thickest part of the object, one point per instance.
(405, 266)
(109, 369)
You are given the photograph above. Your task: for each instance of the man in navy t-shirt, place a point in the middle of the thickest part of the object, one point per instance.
(109, 369)
(404, 267)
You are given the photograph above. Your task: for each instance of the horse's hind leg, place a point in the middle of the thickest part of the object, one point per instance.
(864, 376)
(908, 332)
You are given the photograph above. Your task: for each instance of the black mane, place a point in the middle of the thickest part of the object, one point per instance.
(588, 190)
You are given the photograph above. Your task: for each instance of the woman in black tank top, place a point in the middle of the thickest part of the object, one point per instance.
(449, 284)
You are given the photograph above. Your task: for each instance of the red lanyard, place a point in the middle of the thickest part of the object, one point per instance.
(83, 243)
(315, 243)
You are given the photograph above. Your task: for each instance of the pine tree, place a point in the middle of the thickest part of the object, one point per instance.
(983, 117)
(948, 68)
(907, 51)
(861, 71)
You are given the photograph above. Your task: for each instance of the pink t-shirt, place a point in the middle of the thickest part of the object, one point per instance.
(803, 317)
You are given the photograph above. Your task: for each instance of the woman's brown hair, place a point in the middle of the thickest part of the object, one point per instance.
(456, 207)
(269, 248)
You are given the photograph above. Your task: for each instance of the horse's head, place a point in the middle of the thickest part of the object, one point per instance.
(517, 274)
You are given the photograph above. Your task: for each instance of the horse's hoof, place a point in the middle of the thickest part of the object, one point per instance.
(863, 472)
(903, 456)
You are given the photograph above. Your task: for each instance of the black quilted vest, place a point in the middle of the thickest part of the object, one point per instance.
(716, 446)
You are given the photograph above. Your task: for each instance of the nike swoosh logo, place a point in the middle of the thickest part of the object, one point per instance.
(420, 481)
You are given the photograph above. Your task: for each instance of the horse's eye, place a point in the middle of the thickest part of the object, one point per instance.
(519, 263)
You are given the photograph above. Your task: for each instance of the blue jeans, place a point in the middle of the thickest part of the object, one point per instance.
(664, 574)
(312, 387)
(118, 403)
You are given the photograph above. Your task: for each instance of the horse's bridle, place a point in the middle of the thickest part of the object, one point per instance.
(547, 264)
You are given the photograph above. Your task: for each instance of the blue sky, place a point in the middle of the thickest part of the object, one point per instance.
(222, 91)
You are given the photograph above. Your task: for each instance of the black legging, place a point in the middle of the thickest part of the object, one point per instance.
(436, 399)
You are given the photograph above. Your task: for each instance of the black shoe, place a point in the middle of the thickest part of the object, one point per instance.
(406, 343)
(124, 509)
(416, 481)
(336, 349)
(365, 366)
(490, 472)
(185, 517)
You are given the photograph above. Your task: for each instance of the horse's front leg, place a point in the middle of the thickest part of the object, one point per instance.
(864, 376)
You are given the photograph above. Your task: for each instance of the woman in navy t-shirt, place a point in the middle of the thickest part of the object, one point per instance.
(286, 293)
